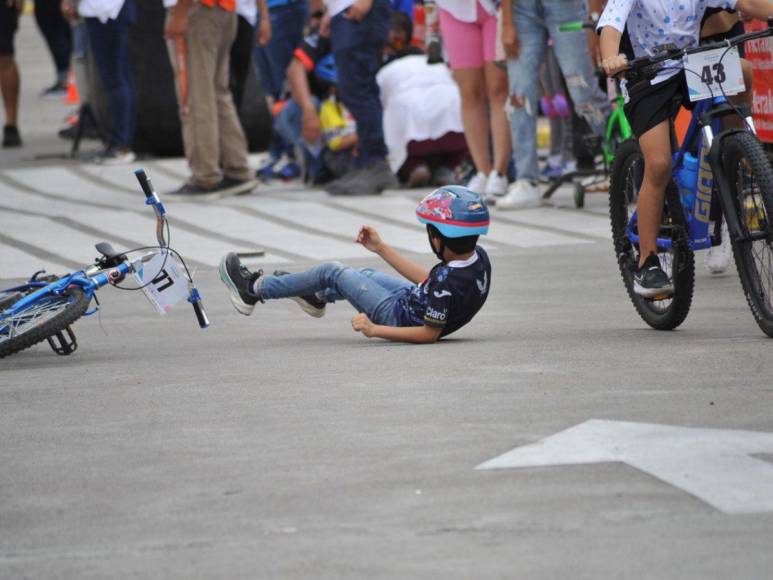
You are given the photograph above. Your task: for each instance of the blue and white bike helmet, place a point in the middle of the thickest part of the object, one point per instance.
(455, 212)
(326, 70)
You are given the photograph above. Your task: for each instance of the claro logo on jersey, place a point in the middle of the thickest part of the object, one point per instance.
(434, 314)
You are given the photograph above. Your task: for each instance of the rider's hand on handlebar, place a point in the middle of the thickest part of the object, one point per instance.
(614, 64)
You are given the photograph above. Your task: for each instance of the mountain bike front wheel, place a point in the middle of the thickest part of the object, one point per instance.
(678, 261)
(45, 317)
(750, 178)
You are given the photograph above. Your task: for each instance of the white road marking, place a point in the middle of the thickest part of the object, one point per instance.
(714, 465)
(403, 209)
(15, 263)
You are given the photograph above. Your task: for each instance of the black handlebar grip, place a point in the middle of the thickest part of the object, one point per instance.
(201, 316)
(145, 184)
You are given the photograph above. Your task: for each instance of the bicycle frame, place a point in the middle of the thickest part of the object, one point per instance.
(616, 118)
(704, 134)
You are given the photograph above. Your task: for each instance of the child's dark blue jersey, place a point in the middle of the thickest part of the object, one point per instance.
(450, 296)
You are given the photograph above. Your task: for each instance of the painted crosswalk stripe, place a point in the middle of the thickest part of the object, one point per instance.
(20, 260)
(344, 225)
(251, 227)
(514, 235)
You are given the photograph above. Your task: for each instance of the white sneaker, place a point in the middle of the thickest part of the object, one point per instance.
(496, 185)
(521, 194)
(478, 183)
(718, 257)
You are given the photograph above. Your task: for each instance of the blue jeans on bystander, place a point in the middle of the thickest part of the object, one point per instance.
(109, 44)
(357, 50)
(535, 21)
(287, 21)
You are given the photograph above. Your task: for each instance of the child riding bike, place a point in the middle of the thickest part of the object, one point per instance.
(420, 307)
(651, 104)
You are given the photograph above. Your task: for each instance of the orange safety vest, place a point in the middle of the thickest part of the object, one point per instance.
(227, 5)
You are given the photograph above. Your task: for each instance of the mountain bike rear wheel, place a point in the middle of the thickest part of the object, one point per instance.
(678, 261)
(45, 317)
(750, 178)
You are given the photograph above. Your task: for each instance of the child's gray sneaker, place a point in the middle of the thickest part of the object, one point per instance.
(310, 304)
(240, 282)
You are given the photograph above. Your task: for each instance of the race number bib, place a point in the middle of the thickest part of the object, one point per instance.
(162, 280)
(708, 76)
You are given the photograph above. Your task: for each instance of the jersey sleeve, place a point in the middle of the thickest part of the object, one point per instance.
(615, 14)
(438, 306)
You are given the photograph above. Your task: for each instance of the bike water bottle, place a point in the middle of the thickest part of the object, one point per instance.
(687, 179)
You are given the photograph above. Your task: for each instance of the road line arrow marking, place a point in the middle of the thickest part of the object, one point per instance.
(714, 465)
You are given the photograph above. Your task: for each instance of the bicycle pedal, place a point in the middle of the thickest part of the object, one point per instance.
(63, 345)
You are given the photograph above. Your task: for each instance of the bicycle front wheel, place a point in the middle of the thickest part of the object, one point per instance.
(42, 318)
(677, 261)
(750, 178)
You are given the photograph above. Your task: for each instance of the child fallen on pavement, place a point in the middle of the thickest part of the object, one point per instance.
(420, 307)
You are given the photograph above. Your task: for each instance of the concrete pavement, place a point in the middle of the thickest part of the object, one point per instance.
(281, 446)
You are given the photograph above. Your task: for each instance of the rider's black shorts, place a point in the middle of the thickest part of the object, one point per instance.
(649, 105)
(9, 20)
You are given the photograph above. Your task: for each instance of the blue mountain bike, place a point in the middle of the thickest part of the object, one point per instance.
(718, 174)
(45, 307)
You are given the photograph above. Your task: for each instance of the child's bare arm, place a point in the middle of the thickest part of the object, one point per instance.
(368, 237)
(762, 9)
(611, 59)
(415, 334)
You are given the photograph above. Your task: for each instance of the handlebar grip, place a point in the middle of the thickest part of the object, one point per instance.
(145, 184)
(571, 26)
(201, 316)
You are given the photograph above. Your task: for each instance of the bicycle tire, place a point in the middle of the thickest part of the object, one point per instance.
(754, 206)
(74, 303)
(627, 171)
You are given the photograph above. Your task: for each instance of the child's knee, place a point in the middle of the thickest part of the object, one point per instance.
(657, 168)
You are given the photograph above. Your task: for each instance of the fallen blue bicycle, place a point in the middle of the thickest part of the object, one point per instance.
(45, 307)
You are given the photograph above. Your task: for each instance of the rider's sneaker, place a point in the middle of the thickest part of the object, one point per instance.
(650, 281)
(291, 170)
(718, 257)
(240, 283)
(310, 304)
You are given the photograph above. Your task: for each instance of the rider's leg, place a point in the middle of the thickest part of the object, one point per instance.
(656, 148)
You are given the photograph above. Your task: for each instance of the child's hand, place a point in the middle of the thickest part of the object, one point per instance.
(614, 64)
(361, 323)
(368, 237)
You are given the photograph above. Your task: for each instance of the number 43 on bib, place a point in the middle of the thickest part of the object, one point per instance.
(714, 73)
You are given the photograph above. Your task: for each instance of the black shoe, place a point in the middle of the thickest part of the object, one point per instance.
(55, 92)
(11, 136)
(310, 304)
(240, 282)
(191, 190)
(650, 281)
(369, 180)
(229, 186)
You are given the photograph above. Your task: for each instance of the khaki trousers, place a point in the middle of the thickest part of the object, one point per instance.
(212, 134)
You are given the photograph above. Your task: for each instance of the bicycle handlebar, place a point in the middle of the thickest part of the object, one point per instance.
(576, 26)
(646, 61)
(145, 184)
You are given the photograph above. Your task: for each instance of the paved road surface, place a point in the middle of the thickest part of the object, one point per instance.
(281, 446)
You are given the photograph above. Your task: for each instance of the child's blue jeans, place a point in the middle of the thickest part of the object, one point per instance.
(369, 291)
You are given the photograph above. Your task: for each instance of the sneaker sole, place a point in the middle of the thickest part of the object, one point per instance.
(241, 306)
(308, 308)
(653, 293)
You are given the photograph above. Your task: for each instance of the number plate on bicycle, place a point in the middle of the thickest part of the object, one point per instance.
(714, 72)
(162, 280)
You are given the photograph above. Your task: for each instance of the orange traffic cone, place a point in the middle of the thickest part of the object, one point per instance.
(72, 97)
